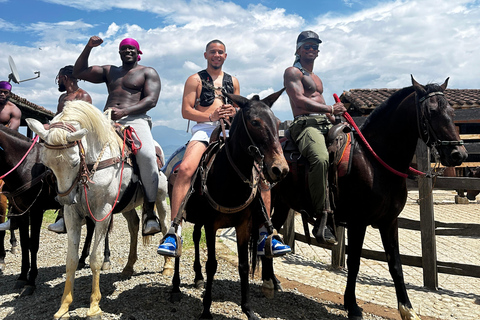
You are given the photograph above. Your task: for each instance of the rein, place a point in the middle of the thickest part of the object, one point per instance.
(425, 135)
(84, 175)
(252, 182)
(21, 160)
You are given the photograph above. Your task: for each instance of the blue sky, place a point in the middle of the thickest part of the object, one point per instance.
(366, 44)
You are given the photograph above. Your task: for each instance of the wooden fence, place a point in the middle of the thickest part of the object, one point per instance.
(428, 261)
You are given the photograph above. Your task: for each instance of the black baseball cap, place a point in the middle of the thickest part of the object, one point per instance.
(307, 36)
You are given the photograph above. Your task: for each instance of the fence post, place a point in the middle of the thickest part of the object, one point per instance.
(427, 219)
(289, 230)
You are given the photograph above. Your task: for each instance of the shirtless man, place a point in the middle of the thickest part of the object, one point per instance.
(312, 118)
(204, 103)
(10, 116)
(133, 89)
(67, 84)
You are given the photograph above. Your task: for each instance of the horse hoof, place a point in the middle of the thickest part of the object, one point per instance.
(106, 266)
(175, 297)
(27, 291)
(407, 313)
(268, 289)
(20, 284)
(65, 315)
(199, 284)
(206, 315)
(127, 272)
(167, 272)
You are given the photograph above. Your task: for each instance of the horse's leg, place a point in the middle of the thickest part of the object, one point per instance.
(176, 294)
(96, 260)
(36, 218)
(87, 244)
(23, 227)
(356, 236)
(133, 226)
(211, 268)
(106, 253)
(13, 242)
(2, 250)
(197, 265)
(390, 243)
(163, 211)
(243, 237)
(73, 224)
(270, 282)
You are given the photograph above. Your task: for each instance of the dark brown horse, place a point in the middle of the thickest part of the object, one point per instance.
(372, 195)
(230, 182)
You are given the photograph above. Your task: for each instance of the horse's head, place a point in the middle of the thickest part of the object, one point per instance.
(435, 123)
(74, 139)
(259, 127)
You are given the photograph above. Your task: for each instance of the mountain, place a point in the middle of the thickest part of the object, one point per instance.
(170, 139)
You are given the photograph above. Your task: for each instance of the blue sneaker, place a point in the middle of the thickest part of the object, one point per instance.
(168, 247)
(278, 247)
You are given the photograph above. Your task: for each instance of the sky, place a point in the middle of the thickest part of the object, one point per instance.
(366, 44)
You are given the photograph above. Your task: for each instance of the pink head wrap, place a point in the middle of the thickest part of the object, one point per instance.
(131, 42)
(5, 85)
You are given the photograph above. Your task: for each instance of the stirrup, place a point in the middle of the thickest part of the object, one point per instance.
(268, 244)
(319, 230)
(178, 241)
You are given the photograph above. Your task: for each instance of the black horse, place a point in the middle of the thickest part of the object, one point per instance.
(30, 189)
(371, 194)
(228, 194)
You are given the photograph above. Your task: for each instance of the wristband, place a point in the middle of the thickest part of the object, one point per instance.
(332, 110)
(210, 117)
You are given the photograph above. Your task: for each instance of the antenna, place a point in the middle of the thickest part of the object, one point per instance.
(14, 76)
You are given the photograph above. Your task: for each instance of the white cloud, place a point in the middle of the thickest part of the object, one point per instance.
(374, 48)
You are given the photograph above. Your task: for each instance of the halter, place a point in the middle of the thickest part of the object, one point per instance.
(257, 168)
(84, 174)
(425, 130)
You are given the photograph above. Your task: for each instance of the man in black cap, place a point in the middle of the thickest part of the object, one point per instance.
(312, 119)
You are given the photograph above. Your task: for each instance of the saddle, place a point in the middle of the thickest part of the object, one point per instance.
(339, 141)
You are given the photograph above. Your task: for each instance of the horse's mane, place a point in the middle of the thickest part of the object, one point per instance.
(388, 105)
(90, 118)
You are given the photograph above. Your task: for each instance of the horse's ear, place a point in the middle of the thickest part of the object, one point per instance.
(237, 99)
(418, 87)
(272, 98)
(37, 127)
(77, 135)
(444, 85)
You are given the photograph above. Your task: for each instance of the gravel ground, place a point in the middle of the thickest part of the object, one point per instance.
(146, 294)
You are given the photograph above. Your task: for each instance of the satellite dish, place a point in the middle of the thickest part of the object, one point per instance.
(14, 76)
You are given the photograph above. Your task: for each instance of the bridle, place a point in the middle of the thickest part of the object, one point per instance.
(254, 179)
(425, 130)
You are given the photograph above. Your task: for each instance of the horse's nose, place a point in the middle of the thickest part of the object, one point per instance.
(279, 171)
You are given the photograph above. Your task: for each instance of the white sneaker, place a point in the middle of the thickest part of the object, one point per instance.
(58, 227)
(5, 226)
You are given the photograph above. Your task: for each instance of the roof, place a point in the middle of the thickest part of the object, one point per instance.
(362, 101)
(31, 110)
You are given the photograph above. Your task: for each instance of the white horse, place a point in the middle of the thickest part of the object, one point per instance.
(85, 154)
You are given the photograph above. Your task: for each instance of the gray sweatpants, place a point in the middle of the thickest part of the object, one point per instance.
(146, 157)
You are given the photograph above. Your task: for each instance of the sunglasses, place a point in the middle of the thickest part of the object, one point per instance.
(310, 46)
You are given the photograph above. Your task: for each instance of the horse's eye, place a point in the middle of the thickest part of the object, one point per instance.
(255, 123)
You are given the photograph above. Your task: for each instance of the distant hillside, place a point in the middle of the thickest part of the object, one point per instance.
(170, 139)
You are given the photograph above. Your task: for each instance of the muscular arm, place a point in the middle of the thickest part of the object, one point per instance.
(303, 102)
(189, 98)
(151, 92)
(81, 70)
(15, 117)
